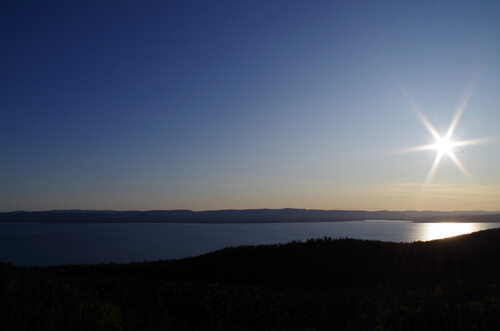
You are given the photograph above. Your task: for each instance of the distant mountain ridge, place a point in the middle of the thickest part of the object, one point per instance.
(243, 216)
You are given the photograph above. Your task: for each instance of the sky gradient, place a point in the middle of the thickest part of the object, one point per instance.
(200, 105)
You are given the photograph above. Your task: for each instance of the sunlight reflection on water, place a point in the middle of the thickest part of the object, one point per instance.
(433, 231)
(55, 244)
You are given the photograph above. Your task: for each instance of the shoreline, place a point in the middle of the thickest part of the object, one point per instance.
(287, 215)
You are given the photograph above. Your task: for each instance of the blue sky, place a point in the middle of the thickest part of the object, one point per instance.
(202, 105)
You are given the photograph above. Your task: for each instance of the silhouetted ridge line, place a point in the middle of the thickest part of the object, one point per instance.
(331, 262)
(321, 284)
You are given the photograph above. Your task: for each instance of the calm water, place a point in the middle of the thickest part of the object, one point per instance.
(47, 244)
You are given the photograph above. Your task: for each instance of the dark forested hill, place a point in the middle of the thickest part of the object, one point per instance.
(321, 284)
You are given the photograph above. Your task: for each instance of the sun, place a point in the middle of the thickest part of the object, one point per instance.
(444, 146)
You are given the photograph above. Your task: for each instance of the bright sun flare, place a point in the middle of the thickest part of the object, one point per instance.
(444, 145)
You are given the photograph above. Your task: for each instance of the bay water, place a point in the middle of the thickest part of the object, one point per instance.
(42, 244)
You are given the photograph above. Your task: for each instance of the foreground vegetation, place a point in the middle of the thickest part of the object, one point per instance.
(321, 284)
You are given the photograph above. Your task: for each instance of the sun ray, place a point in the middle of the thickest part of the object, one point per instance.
(432, 170)
(475, 141)
(460, 166)
(458, 114)
(424, 120)
(417, 148)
